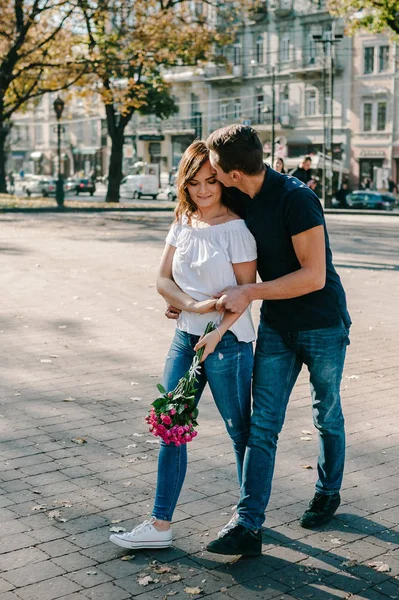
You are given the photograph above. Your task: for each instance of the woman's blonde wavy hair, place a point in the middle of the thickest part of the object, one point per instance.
(191, 162)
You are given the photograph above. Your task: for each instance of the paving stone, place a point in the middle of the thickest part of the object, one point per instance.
(19, 558)
(58, 548)
(106, 591)
(33, 574)
(49, 589)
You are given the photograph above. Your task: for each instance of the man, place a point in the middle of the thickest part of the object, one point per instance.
(303, 172)
(341, 195)
(304, 320)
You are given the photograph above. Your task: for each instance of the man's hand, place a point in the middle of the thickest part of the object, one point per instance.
(234, 299)
(172, 312)
(210, 341)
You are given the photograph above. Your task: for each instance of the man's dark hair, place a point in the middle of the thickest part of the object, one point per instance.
(307, 158)
(238, 148)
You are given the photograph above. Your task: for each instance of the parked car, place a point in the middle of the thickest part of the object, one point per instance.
(370, 200)
(36, 185)
(135, 186)
(171, 192)
(85, 185)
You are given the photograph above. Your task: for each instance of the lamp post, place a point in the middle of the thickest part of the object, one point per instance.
(59, 194)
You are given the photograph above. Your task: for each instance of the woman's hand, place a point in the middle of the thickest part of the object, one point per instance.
(209, 342)
(204, 306)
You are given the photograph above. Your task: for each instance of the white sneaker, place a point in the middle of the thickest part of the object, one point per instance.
(143, 536)
(230, 525)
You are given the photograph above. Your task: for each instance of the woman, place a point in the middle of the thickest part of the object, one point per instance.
(207, 249)
(279, 165)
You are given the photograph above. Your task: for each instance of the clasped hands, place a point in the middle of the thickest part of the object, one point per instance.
(234, 299)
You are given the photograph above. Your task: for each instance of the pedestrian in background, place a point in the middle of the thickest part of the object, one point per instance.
(303, 172)
(279, 165)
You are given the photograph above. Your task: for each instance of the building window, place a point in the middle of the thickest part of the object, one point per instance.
(383, 58)
(38, 133)
(259, 108)
(285, 48)
(312, 50)
(224, 111)
(310, 102)
(367, 116)
(381, 116)
(285, 102)
(237, 108)
(259, 50)
(369, 60)
(237, 53)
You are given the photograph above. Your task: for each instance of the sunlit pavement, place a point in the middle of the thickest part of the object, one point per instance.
(83, 344)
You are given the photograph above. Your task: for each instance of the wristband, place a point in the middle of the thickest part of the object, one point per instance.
(220, 335)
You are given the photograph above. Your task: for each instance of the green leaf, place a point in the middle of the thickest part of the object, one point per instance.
(159, 403)
(180, 409)
(161, 388)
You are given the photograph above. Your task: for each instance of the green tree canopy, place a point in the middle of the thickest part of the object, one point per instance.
(375, 15)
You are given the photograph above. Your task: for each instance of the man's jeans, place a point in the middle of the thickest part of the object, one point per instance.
(228, 371)
(278, 361)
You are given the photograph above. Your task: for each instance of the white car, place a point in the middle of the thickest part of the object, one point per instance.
(135, 186)
(37, 185)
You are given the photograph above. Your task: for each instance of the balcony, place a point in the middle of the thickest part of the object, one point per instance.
(265, 122)
(173, 125)
(223, 72)
(307, 66)
(258, 11)
(282, 8)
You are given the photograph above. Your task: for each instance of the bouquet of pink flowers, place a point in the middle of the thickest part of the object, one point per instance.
(173, 415)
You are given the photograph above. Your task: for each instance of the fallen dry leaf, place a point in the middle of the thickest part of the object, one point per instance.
(380, 566)
(350, 563)
(115, 521)
(45, 360)
(117, 529)
(307, 467)
(169, 594)
(193, 591)
(91, 572)
(173, 578)
(336, 540)
(39, 507)
(161, 569)
(79, 441)
(145, 580)
(306, 432)
(306, 439)
(69, 399)
(128, 557)
(56, 516)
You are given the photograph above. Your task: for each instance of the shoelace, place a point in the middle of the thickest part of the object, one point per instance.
(140, 528)
(229, 526)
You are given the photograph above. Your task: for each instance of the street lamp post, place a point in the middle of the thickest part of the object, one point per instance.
(59, 194)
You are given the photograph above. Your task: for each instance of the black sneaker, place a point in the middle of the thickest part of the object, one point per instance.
(238, 540)
(321, 510)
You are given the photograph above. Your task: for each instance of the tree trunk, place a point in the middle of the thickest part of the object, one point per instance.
(115, 166)
(3, 157)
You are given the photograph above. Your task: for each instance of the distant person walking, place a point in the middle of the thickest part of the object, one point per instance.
(11, 183)
(303, 172)
(341, 195)
(279, 165)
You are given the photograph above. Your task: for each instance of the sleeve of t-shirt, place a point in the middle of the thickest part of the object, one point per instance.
(173, 233)
(302, 211)
(241, 245)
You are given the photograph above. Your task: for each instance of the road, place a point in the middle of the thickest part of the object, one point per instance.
(83, 341)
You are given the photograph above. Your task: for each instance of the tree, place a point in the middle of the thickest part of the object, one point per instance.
(375, 15)
(37, 55)
(132, 42)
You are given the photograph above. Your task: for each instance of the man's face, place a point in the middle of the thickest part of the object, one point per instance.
(221, 176)
(307, 164)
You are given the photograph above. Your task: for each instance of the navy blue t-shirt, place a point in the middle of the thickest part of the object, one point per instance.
(285, 207)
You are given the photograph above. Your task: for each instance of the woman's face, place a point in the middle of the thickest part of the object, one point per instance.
(204, 189)
(278, 165)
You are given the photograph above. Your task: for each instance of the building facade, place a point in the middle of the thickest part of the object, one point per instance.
(375, 111)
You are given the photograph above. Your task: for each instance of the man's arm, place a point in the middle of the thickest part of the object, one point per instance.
(310, 250)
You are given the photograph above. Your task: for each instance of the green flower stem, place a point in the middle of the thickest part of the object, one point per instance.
(210, 327)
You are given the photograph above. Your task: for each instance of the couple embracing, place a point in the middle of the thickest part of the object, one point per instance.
(235, 216)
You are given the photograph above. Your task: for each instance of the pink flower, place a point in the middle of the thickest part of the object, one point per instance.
(166, 419)
(172, 411)
(180, 430)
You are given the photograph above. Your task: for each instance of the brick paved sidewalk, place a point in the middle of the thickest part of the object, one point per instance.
(83, 340)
